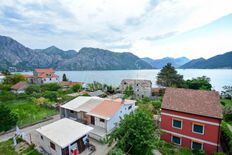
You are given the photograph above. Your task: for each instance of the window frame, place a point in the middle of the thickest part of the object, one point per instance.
(196, 142)
(52, 145)
(102, 120)
(174, 142)
(175, 119)
(203, 132)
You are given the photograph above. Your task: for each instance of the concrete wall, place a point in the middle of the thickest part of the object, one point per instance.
(119, 115)
(45, 144)
(211, 131)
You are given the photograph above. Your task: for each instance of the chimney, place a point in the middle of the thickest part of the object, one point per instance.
(123, 100)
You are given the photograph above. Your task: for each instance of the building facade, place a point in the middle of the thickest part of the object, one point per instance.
(191, 118)
(101, 114)
(141, 88)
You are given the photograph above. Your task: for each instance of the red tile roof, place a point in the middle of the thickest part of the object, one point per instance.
(42, 73)
(198, 102)
(107, 108)
(70, 83)
(19, 85)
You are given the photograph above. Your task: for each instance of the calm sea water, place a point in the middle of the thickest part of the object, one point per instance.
(219, 77)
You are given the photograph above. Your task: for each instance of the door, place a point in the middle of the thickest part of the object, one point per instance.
(92, 120)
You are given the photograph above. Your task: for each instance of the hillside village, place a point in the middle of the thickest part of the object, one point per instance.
(47, 114)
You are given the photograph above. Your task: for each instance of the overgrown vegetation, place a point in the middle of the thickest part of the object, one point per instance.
(8, 118)
(226, 136)
(135, 133)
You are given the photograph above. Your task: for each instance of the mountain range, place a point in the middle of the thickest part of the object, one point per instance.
(15, 55)
(218, 61)
(160, 63)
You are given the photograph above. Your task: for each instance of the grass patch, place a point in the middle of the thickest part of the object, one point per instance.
(28, 112)
(6, 148)
(226, 102)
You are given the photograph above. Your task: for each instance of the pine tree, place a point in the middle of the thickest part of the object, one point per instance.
(64, 78)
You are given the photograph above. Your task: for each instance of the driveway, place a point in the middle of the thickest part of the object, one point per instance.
(28, 130)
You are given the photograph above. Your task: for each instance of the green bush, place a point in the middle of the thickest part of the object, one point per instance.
(8, 118)
(226, 136)
(116, 151)
(50, 87)
(13, 79)
(6, 95)
(77, 88)
(227, 113)
(51, 95)
(33, 89)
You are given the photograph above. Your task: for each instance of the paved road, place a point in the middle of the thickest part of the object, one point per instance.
(29, 129)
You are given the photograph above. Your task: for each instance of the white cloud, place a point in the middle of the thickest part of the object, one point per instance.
(120, 25)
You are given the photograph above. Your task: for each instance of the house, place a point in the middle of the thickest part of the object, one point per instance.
(42, 76)
(191, 118)
(141, 88)
(29, 78)
(101, 114)
(1, 77)
(64, 137)
(19, 87)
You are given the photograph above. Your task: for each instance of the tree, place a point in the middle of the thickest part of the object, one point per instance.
(77, 88)
(33, 89)
(64, 78)
(135, 134)
(8, 118)
(202, 83)
(50, 87)
(6, 72)
(116, 151)
(51, 95)
(13, 79)
(128, 91)
(168, 77)
(227, 92)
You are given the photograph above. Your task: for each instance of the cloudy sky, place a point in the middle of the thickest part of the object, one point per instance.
(147, 28)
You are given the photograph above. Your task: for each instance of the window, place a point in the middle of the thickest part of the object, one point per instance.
(41, 137)
(71, 111)
(196, 145)
(129, 107)
(177, 123)
(102, 120)
(176, 140)
(52, 146)
(198, 128)
(137, 89)
(50, 79)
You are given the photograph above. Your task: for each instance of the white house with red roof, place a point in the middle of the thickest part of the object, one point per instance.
(100, 113)
(42, 76)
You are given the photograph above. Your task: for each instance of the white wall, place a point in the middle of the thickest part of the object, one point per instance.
(1, 78)
(119, 114)
(99, 123)
(52, 80)
(45, 143)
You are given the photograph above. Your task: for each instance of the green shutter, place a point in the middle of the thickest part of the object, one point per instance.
(198, 128)
(176, 140)
(196, 146)
(176, 123)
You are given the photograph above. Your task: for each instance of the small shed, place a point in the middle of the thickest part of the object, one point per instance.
(19, 87)
(64, 136)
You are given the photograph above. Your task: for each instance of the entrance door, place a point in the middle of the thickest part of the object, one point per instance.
(92, 120)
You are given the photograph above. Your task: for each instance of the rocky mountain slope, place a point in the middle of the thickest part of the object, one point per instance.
(14, 54)
(159, 63)
(218, 61)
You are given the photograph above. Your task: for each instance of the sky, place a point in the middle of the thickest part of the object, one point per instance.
(147, 28)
